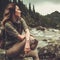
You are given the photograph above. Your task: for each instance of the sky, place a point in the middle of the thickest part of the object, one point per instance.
(44, 7)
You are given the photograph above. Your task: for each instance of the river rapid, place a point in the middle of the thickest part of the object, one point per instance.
(51, 35)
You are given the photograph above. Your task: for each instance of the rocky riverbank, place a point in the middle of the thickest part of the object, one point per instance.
(49, 43)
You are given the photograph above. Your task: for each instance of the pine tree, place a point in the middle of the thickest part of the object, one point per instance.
(33, 9)
(30, 8)
(14, 1)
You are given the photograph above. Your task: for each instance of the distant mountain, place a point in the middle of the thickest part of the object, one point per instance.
(55, 15)
(55, 18)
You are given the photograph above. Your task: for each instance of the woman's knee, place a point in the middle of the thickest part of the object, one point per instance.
(35, 55)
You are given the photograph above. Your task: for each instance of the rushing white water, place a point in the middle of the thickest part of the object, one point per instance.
(51, 34)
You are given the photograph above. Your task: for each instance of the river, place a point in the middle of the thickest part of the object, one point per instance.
(50, 35)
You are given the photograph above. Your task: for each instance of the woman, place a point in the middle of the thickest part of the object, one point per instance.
(14, 25)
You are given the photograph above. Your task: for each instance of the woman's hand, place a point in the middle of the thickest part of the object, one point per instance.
(21, 37)
(27, 47)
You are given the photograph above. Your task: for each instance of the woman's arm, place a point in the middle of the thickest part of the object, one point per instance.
(12, 31)
(25, 27)
(27, 45)
(27, 34)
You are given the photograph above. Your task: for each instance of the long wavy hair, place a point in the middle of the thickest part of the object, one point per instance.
(9, 11)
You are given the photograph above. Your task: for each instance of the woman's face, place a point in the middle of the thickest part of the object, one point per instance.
(17, 12)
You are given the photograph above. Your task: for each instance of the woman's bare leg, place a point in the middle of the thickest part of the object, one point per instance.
(15, 48)
(34, 54)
